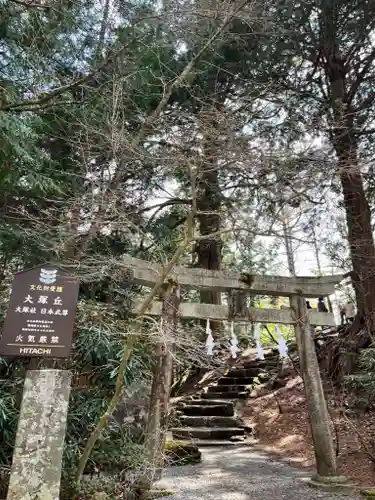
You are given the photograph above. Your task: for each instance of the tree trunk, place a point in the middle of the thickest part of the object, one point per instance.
(357, 209)
(288, 245)
(361, 241)
(209, 249)
(209, 202)
(157, 424)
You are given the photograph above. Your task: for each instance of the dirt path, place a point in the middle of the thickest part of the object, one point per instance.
(240, 473)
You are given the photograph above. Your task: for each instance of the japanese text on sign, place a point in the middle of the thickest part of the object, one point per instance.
(40, 314)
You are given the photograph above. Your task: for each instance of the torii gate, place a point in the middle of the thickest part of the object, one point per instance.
(297, 289)
(146, 273)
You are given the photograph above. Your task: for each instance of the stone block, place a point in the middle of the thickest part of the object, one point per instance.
(208, 421)
(36, 466)
(222, 410)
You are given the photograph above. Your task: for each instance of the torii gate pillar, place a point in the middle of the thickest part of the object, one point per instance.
(316, 403)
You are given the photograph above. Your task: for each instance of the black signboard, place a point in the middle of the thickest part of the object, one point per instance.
(41, 312)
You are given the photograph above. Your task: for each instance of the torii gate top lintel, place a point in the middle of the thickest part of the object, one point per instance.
(146, 273)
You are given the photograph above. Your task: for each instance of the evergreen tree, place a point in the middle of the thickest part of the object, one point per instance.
(323, 56)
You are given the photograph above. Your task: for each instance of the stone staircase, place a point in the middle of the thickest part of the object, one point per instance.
(212, 419)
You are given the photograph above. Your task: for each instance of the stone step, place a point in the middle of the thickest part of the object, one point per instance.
(243, 372)
(273, 353)
(222, 410)
(212, 402)
(261, 365)
(227, 388)
(222, 443)
(206, 432)
(211, 421)
(252, 363)
(224, 395)
(235, 381)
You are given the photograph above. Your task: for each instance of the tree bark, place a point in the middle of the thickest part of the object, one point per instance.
(209, 249)
(361, 243)
(209, 203)
(358, 215)
(288, 246)
(157, 424)
(358, 218)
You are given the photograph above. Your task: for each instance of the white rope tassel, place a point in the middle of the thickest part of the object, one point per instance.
(281, 344)
(257, 341)
(210, 340)
(234, 342)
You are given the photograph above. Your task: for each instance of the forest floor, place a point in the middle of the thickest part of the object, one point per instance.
(279, 419)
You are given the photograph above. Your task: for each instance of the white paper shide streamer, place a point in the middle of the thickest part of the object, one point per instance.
(257, 341)
(281, 344)
(210, 340)
(234, 342)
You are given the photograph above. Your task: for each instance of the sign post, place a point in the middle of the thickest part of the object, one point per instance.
(39, 323)
(41, 312)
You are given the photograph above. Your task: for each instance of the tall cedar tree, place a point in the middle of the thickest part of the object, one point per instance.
(219, 80)
(323, 60)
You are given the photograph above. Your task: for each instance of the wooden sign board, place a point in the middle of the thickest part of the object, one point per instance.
(41, 312)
